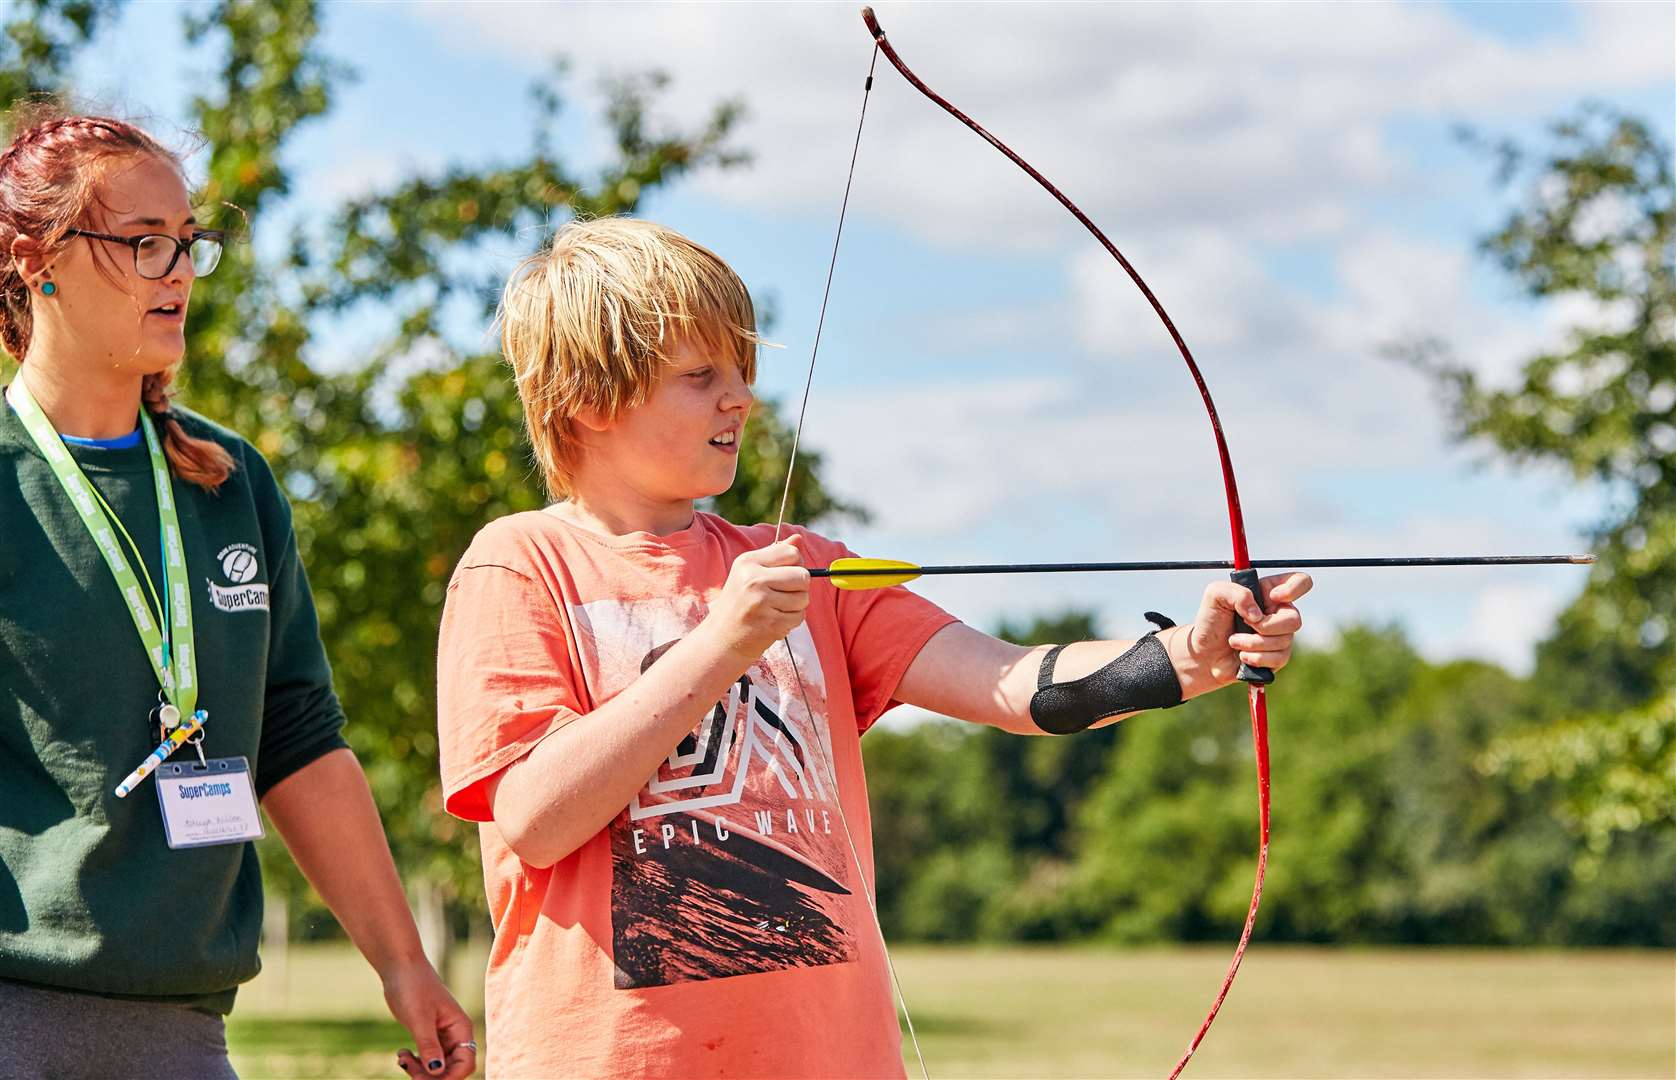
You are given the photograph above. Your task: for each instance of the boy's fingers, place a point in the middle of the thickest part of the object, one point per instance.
(790, 603)
(1281, 620)
(1271, 660)
(784, 553)
(788, 579)
(1258, 643)
(1285, 588)
(1278, 592)
(1235, 598)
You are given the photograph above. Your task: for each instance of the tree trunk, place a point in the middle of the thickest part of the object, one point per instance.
(430, 909)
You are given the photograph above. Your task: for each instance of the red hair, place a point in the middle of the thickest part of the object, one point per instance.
(49, 180)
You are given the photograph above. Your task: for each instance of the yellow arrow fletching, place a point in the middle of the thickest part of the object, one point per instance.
(842, 573)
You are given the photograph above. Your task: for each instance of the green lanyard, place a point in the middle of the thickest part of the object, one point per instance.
(177, 674)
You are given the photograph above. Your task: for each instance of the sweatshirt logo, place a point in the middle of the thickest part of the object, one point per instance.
(238, 564)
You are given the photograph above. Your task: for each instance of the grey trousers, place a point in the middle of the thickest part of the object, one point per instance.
(59, 1035)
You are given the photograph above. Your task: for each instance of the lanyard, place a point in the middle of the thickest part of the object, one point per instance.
(176, 668)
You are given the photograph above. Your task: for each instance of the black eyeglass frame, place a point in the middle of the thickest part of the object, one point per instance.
(180, 246)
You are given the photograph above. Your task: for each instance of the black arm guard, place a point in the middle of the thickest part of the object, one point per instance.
(1142, 678)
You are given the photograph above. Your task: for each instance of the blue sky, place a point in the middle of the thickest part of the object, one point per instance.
(1284, 175)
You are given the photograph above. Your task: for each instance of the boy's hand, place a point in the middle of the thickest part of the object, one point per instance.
(1209, 653)
(766, 594)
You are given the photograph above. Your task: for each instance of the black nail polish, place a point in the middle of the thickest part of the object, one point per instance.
(435, 1065)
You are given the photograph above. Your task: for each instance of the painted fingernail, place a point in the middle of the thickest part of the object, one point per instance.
(435, 1064)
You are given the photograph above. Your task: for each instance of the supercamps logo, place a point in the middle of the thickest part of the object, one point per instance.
(205, 790)
(238, 564)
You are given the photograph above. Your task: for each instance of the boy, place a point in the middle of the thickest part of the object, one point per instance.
(714, 919)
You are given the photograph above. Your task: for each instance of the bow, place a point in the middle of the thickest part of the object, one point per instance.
(1243, 572)
(878, 573)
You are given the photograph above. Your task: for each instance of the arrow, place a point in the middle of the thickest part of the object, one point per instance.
(882, 573)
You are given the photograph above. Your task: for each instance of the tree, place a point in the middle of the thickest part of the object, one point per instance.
(1597, 222)
(975, 824)
(39, 40)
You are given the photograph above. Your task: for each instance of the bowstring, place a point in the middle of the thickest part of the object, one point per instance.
(855, 856)
(779, 528)
(826, 294)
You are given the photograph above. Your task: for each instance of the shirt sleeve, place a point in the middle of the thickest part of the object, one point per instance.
(301, 717)
(505, 679)
(882, 631)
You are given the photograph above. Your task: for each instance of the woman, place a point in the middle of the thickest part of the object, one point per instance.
(150, 587)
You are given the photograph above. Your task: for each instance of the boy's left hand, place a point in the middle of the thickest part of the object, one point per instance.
(440, 1028)
(1215, 652)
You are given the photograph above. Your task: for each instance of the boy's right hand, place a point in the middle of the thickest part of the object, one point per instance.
(766, 594)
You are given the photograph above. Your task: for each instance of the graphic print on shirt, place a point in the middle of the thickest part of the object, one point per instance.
(732, 859)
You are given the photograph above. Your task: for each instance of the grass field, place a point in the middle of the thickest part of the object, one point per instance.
(1120, 1013)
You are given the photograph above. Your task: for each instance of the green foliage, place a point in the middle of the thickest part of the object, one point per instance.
(1616, 773)
(38, 40)
(1597, 223)
(979, 820)
(940, 833)
(1391, 824)
(1042, 780)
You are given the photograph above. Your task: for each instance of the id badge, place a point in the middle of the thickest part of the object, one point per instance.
(209, 803)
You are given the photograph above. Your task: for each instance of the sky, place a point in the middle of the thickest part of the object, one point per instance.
(990, 386)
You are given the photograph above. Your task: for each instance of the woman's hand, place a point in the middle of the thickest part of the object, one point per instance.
(325, 813)
(1209, 653)
(440, 1028)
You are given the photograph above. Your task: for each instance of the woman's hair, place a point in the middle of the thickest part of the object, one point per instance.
(50, 174)
(588, 324)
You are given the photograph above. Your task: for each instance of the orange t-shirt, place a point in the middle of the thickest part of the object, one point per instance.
(716, 927)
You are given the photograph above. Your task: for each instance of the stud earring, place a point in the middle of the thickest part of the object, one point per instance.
(48, 288)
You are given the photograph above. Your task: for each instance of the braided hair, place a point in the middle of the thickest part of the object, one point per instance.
(49, 179)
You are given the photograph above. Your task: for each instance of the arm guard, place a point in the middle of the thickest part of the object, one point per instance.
(1142, 678)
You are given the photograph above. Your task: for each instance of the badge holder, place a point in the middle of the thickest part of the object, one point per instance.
(209, 801)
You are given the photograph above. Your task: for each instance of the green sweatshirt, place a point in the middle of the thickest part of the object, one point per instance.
(91, 897)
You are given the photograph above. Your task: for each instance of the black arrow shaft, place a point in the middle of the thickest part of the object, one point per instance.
(1214, 564)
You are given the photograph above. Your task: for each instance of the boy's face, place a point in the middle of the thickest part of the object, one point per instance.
(683, 443)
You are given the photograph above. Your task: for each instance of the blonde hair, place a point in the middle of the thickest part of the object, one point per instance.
(588, 323)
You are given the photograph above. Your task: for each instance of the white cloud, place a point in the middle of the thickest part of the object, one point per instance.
(1151, 115)
(362, 174)
(1498, 629)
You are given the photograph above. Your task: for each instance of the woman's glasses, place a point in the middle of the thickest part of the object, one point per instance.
(155, 254)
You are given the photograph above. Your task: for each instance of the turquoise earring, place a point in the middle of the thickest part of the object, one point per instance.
(48, 288)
